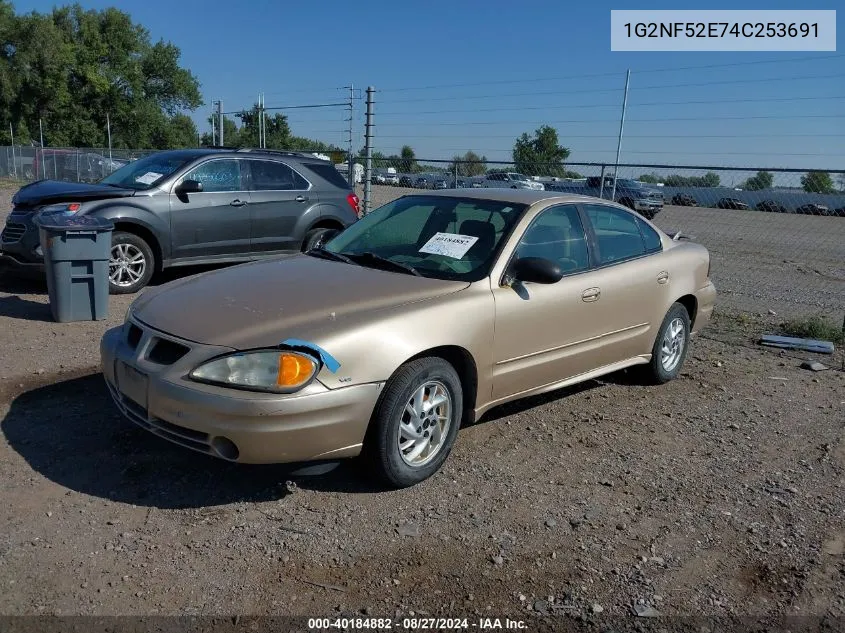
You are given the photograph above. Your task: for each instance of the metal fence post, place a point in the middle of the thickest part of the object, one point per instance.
(368, 151)
(77, 165)
(351, 160)
(456, 174)
(220, 122)
(601, 187)
(621, 126)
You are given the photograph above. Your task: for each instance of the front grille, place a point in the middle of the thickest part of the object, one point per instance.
(165, 352)
(13, 232)
(195, 440)
(134, 335)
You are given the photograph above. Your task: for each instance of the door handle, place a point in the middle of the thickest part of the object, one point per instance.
(662, 277)
(237, 203)
(591, 294)
(301, 199)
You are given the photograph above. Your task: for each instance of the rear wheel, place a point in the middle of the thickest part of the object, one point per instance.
(670, 346)
(415, 422)
(131, 263)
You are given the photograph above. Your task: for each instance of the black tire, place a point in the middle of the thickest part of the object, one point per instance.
(136, 245)
(381, 447)
(627, 202)
(317, 237)
(655, 372)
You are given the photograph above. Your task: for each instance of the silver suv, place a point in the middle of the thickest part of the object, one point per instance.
(193, 206)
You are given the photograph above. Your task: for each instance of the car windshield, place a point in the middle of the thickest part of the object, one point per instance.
(442, 237)
(145, 173)
(518, 177)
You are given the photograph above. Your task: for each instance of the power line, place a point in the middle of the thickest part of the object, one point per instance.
(657, 120)
(610, 105)
(619, 74)
(613, 90)
(627, 136)
(613, 152)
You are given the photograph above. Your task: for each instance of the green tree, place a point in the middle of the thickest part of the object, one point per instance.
(408, 160)
(710, 179)
(817, 182)
(72, 67)
(470, 164)
(231, 132)
(651, 179)
(763, 180)
(541, 154)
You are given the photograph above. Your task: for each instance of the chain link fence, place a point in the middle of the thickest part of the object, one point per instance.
(776, 236)
(72, 164)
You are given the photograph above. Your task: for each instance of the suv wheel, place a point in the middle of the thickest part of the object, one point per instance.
(315, 238)
(131, 263)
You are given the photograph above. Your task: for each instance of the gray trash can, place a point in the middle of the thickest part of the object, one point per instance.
(76, 258)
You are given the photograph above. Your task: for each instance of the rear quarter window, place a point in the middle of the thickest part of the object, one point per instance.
(650, 238)
(327, 171)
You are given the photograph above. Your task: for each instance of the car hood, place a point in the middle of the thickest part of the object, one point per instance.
(45, 191)
(262, 303)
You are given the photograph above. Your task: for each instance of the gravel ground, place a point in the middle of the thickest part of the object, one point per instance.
(719, 494)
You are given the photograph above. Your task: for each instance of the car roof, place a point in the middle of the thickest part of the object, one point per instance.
(516, 196)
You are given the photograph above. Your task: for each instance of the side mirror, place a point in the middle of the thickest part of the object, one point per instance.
(189, 186)
(535, 269)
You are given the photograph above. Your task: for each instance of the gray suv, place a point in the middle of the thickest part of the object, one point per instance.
(193, 206)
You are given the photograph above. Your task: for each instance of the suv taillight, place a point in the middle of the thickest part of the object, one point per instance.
(353, 201)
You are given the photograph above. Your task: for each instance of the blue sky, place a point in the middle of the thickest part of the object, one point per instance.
(457, 76)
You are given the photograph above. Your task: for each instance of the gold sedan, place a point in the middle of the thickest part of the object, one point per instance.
(415, 320)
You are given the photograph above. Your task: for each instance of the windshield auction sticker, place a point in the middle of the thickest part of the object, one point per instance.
(723, 30)
(449, 244)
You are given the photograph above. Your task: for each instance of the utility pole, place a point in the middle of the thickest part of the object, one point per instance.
(263, 123)
(621, 127)
(15, 162)
(213, 127)
(108, 131)
(220, 122)
(368, 150)
(351, 161)
(41, 130)
(259, 111)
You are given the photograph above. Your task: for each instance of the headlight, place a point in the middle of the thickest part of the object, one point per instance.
(64, 207)
(278, 371)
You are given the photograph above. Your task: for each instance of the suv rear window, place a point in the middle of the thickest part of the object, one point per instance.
(328, 172)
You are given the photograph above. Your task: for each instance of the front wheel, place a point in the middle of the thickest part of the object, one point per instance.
(670, 346)
(415, 422)
(131, 263)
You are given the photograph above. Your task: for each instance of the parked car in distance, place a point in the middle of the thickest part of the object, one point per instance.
(422, 183)
(511, 180)
(647, 201)
(440, 183)
(193, 206)
(684, 200)
(812, 208)
(391, 179)
(771, 206)
(731, 203)
(405, 181)
(542, 291)
(839, 213)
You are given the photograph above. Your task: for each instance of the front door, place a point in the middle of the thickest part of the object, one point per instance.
(545, 333)
(215, 222)
(279, 197)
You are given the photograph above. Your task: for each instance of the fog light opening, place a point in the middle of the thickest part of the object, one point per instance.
(225, 448)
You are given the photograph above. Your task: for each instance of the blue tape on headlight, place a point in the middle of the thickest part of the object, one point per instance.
(327, 359)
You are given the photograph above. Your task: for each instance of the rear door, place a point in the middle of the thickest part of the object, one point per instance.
(279, 197)
(631, 279)
(215, 222)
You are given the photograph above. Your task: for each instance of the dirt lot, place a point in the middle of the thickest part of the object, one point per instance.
(722, 493)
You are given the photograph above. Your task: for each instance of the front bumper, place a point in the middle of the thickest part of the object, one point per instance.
(313, 424)
(645, 204)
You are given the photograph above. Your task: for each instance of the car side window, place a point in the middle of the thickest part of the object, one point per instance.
(557, 234)
(617, 234)
(650, 237)
(270, 175)
(218, 175)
